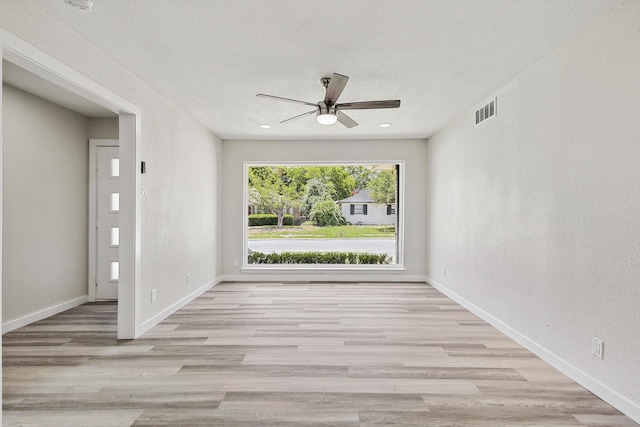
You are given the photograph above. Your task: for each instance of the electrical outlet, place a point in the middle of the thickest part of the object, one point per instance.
(597, 347)
(236, 263)
(154, 295)
(188, 279)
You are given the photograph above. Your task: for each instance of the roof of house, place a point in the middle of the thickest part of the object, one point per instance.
(362, 197)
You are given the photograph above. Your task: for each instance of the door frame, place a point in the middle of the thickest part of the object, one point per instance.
(93, 211)
(30, 58)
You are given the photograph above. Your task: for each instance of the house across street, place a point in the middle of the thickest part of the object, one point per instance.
(361, 209)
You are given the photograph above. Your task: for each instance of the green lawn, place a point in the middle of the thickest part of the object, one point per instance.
(309, 231)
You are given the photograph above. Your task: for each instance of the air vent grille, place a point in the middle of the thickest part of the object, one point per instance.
(487, 111)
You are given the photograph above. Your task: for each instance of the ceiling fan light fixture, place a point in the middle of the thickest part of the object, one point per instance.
(327, 118)
(326, 115)
(329, 111)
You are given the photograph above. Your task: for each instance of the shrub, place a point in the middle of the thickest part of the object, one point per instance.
(269, 219)
(326, 213)
(318, 189)
(318, 258)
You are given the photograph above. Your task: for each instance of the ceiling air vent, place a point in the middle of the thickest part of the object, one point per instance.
(487, 111)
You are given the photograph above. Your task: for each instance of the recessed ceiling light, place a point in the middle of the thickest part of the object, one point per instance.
(265, 126)
(85, 5)
(385, 125)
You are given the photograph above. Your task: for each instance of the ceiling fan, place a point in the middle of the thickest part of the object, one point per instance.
(328, 111)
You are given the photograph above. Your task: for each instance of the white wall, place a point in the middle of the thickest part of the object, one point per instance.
(236, 152)
(180, 211)
(103, 128)
(45, 186)
(180, 220)
(535, 214)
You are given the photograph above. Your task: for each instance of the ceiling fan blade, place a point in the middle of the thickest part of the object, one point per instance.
(279, 98)
(369, 105)
(346, 120)
(335, 88)
(299, 116)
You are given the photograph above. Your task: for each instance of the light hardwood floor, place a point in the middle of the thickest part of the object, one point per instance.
(321, 354)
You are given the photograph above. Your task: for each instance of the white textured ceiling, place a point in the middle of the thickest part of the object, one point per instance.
(440, 57)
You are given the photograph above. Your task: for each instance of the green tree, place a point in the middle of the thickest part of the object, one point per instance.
(362, 175)
(259, 173)
(383, 187)
(326, 213)
(318, 190)
(271, 192)
(343, 183)
(296, 176)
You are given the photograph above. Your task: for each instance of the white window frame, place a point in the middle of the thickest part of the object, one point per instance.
(398, 266)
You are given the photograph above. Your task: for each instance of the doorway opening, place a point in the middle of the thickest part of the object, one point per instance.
(58, 80)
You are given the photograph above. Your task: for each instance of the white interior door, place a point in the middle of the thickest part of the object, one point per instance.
(107, 229)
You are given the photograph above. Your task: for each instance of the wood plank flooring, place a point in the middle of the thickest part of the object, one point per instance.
(292, 354)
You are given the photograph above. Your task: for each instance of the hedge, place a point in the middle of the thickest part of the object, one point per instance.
(318, 258)
(269, 219)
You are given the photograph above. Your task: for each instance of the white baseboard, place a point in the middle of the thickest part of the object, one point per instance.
(324, 277)
(42, 314)
(148, 324)
(612, 397)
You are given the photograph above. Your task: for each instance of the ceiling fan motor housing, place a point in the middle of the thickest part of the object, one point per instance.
(325, 109)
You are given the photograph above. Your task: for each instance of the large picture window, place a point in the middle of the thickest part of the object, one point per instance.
(314, 215)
